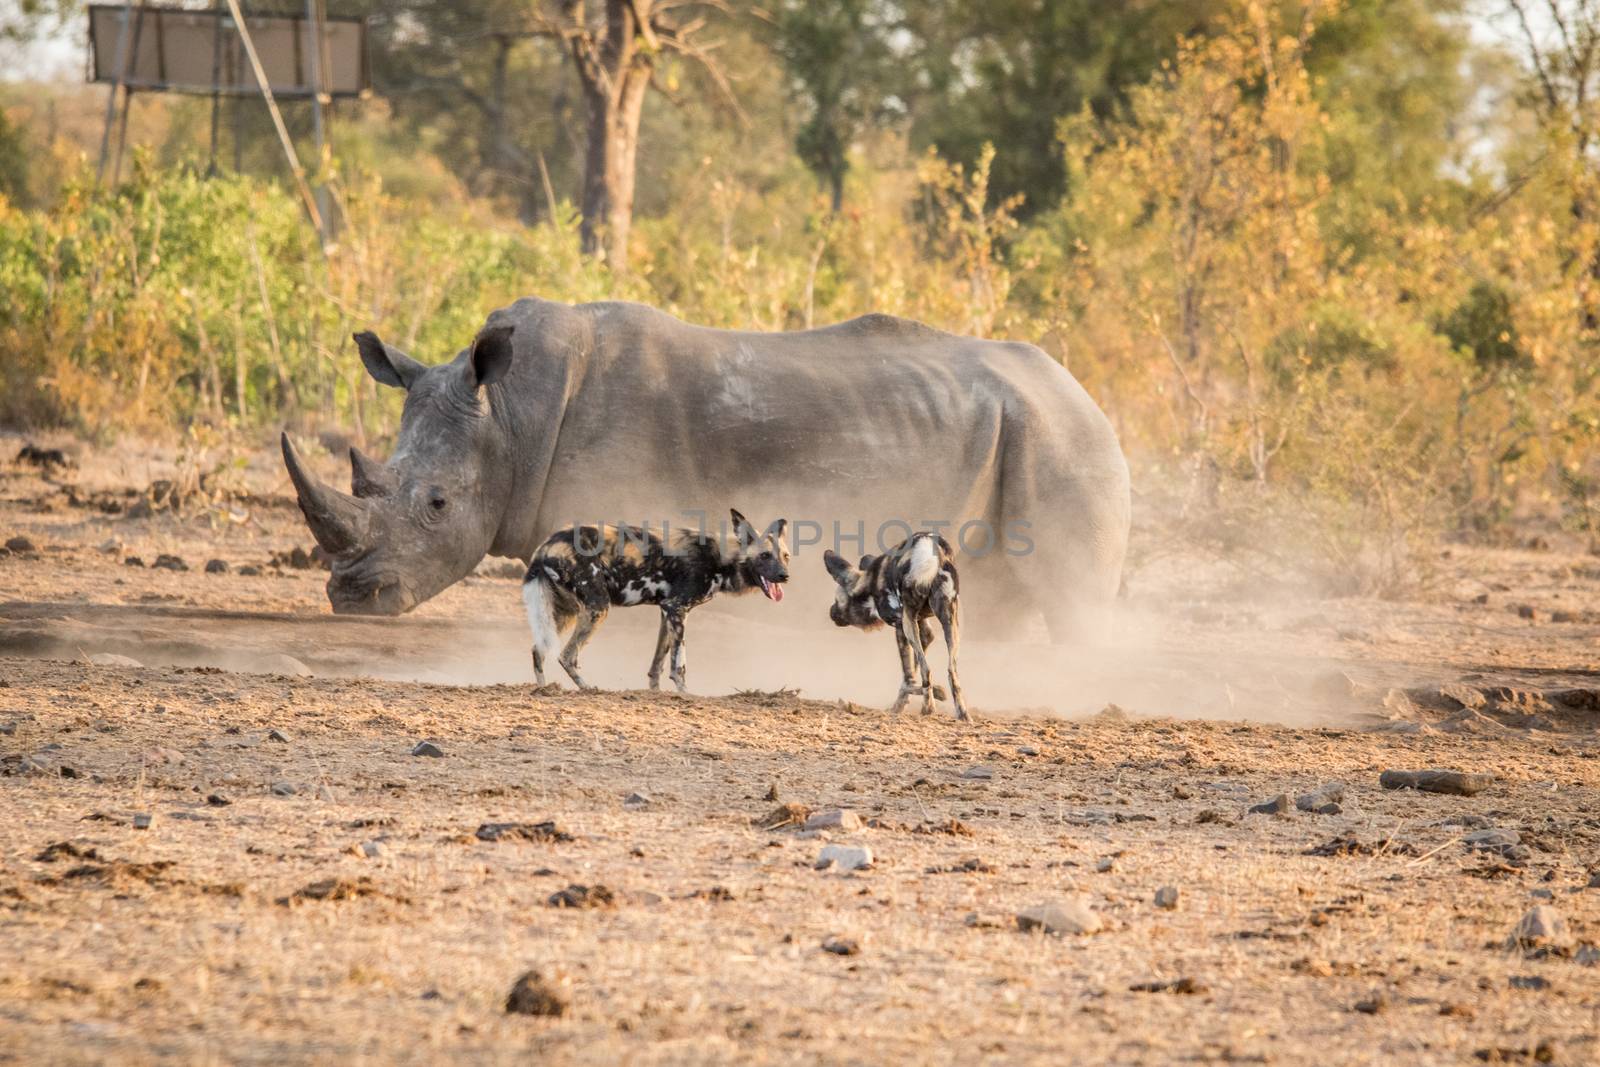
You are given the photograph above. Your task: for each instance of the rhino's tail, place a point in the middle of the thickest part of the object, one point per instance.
(547, 616)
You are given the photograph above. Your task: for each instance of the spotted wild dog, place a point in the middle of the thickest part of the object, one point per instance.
(905, 588)
(580, 572)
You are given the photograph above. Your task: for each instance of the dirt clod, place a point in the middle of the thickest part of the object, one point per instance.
(583, 896)
(546, 831)
(428, 748)
(532, 994)
(784, 815)
(1184, 986)
(841, 946)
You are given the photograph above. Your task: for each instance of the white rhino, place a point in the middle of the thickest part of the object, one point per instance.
(617, 412)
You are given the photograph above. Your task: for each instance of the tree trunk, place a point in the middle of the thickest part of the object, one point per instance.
(496, 154)
(615, 78)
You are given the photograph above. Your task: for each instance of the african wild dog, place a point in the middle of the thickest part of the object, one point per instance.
(905, 587)
(580, 572)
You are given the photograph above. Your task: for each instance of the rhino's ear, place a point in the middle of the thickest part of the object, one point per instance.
(491, 355)
(387, 364)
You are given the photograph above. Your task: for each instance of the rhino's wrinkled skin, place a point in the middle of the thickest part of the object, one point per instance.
(617, 412)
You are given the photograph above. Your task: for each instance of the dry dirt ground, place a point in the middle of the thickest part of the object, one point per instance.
(226, 851)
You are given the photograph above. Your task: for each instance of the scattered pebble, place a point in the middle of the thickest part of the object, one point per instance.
(367, 850)
(284, 789)
(1167, 898)
(217, 800)
(1541, 927)
(1323, 800)
(1529, 981)
(277, 735)
(833, 819)
(428, 748)
(636, 801)
(250, 570)
(978, 773)
(1105, 863)
(20, 544)
(217, 566)
(1027, 750)
(142, 820)
(1278, 805)
(534, 995)
(1457, 783)
(133, 561)
(1069, 915)
(844, 858)
(842, 946)
(168, 562)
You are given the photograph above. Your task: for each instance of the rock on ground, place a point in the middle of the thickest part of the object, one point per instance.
(1070, 915)
(1457, 783)
(845, 857)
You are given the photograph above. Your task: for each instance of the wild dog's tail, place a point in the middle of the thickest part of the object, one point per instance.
(923, 567)
(545, 615)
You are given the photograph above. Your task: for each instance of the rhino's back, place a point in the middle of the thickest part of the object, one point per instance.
(876, 409)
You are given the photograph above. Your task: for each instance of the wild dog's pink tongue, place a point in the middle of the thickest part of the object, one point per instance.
(774, 592)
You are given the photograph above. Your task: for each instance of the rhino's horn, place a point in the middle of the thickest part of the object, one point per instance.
(338, 521)
(368, 478)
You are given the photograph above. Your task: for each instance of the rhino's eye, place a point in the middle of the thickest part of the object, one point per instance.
(436, 501)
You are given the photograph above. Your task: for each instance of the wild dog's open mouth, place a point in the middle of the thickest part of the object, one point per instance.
(773, 590)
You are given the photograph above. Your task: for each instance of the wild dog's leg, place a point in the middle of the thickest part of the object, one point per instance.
(589, 619)
(664, 642)
(538, 666)
(908, 683)
(910, 631)
(680, 669)
(950, 617)
(925, 630)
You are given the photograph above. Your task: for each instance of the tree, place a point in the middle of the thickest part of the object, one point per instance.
(837, 56)
(616, 47)
(1007, 71)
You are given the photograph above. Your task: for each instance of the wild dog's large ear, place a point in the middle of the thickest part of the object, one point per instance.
(742, 528)
(491, 355)
(387, 364)
(837, 566)
(775, 531)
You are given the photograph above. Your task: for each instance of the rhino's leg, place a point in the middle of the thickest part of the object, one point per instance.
(908, 684)
(680, 666)
(950, 619)
(910, 627)
(925, 631)
(664, 643)
(589, 619)
(1065, 510)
